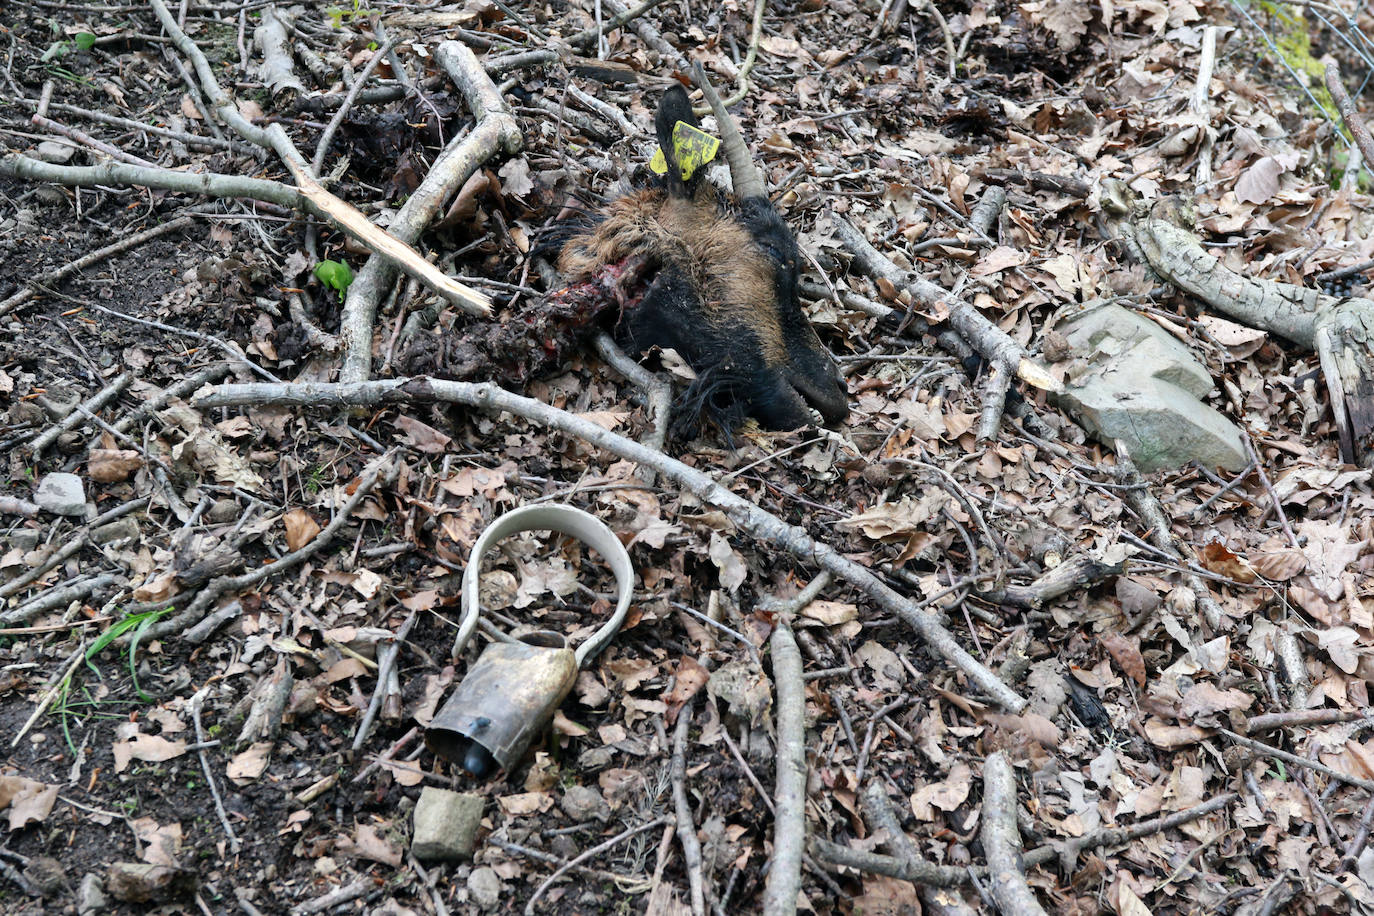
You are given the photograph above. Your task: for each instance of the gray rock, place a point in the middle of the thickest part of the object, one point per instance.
(1162, 425)
(1134, 382)
(582, 803)
(61, 494)
(45, 874)
(222, 511)
(141, 882)
(485, 888)
(119, 529)
(446, 825)
(54, 152)
(24, 539)
(1110, 331)
(90, 896)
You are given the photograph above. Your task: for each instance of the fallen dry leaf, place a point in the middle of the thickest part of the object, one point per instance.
(301, 528)
(28, 801)
(108, 465)
(1125, 651)
(148, 748)
(688, 680)
(251, 763)
(1217, 558)
(948, 794)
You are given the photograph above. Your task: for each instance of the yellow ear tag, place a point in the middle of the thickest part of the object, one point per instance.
(694, 148)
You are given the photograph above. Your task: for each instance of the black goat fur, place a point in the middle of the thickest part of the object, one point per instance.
(721, 290)
(674, 264)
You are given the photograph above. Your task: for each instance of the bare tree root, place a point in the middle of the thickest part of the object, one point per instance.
(1341, 330)
(496, 131)
(789, 810)
(1005, 356)
(762, 525)
(1002, 841)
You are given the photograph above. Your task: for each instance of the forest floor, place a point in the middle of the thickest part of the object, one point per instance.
(223, 756)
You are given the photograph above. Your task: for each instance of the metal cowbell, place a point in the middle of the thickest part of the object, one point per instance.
(509, 695)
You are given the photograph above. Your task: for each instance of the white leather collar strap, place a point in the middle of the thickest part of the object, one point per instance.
(568, 520)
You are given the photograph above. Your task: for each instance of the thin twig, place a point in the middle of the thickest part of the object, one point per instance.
(197, 701)
(94, 403)
(1353, 122)
(687, 832)
(1269, 750)
(386, 663)
(614, 841)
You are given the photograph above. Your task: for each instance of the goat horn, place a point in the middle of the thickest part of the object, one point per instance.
(745, 176)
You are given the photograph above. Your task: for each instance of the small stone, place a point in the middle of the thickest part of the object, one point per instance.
(583, 803)
(54, 152)
(61, 494)
(485, 888)
(49, 195)
(446, 824)
(90, 896)
(140, 882)
(45, 874)
(222, 512)
(24, 539)
(117, 530)
(564, 846)
(70, 442)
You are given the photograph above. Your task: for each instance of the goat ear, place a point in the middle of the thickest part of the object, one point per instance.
(674, 107)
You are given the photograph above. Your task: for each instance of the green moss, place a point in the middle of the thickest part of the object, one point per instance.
(1292, 36)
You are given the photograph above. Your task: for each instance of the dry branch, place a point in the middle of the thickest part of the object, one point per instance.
(496, 131)
(762, 525)
(381, 469)
(789, 818)
(1002, 841)
(1003, 354)
(1358, 129)
(687, 832)
(315, 198)
(75, 542)
(922, 872)
(97, 401)
(278, 70)
(54, 598)
(1077, 573)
